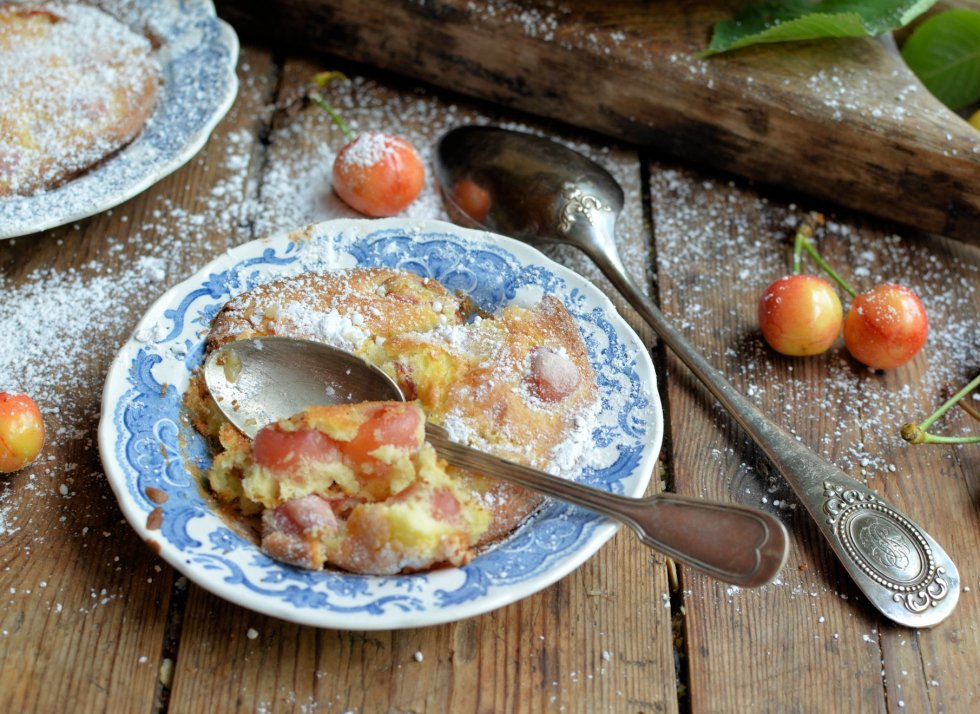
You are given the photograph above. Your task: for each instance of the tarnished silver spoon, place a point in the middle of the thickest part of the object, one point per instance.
(534, 189)
(261, 380)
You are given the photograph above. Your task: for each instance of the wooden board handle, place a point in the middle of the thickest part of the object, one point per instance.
(841, 120)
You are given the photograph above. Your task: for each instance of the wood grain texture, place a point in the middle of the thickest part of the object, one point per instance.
(809, 642)
(85, 602)
(843, 120)
(90, 614)
(582, 645)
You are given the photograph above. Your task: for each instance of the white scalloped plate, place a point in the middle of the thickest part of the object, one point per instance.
(146, 443)
(198, 54)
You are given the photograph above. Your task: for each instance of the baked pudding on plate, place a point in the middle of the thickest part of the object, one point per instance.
(157, 462)
(100, 100)
(517, 383)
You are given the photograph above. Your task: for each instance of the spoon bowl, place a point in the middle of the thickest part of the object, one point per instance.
(533, 189)
(261, 380)
(523, 186)
(258, 381)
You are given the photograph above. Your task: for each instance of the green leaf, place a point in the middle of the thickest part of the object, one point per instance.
(944, 53)
(793, 20)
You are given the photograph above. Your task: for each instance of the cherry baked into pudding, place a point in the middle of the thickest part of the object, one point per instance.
(355, 486)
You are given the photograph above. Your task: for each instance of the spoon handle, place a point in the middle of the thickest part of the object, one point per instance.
(900, 568)
(732, 543)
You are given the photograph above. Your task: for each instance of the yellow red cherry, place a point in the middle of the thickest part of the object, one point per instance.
(886, 327)
(21, 431)
(800, 315)
(472, 199)
(378, 174)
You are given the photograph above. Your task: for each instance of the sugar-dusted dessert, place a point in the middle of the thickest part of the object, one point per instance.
(76, 85)
(517, 383)
(356, 486)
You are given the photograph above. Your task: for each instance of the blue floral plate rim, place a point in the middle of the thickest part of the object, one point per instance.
(148, 448)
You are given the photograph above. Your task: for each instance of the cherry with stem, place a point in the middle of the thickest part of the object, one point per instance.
(862, 340)
(374, 173)
(885, 327)
(800, 315)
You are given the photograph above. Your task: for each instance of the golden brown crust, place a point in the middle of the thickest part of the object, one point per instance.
(370, 302)
(76, 85)
(488, 388)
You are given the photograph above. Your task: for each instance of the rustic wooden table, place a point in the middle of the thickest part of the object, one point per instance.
(92, 620)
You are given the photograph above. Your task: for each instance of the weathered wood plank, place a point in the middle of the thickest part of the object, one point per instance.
(598, 640)
(85, 602)
(842, 120)
(810, 642)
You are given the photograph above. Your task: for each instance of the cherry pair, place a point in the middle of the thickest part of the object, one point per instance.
(801, 314)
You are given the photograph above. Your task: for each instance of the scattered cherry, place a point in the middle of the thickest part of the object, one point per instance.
(378, 174)
(283, 450)
(800, 315)
(552, 376)
(886, 327)
(375, 173)
(21, 431)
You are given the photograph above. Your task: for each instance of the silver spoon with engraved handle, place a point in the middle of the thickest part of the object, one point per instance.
(261, 380)
(536, 190)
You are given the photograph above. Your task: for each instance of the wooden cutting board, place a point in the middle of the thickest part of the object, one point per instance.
(841, 120)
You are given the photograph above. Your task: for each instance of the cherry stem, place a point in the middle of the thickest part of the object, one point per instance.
(325, 106)
(919, 433)
(927, 438)
(803, 234)
(321, 80)
(803, 242)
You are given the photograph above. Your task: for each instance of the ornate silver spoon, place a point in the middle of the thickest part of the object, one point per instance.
(535, 190)
(257, 381)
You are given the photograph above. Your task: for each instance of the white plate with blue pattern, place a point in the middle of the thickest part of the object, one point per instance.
(148, 448)
(198, 54)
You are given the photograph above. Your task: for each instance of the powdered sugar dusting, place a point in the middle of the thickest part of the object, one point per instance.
(368, 149)
(331, 326)
(49, 322)
(198, 54)
(7, 515)
(712, 226)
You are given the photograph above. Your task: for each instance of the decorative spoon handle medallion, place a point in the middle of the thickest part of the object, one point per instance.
(540, 191)
(890, 549)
